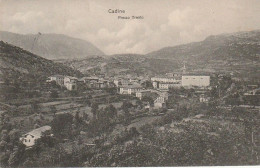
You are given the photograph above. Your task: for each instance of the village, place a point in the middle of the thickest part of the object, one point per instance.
(147, 98)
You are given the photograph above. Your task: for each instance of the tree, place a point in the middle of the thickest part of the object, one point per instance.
(126, 105)
(62, 125)
(148, 99)
(77, 118)
(139, 103)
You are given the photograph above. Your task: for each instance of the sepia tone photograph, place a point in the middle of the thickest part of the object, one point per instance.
(129, 83)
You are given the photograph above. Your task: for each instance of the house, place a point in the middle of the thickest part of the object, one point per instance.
(195, 80)
(29, 138)
(59, 79)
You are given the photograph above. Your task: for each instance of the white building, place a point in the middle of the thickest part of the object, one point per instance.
(29, 138)
(130, 89)
(193, 80)
(166, 82)
(70, 82)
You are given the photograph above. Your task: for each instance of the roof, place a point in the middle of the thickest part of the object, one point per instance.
(194, 74)
(38, 132)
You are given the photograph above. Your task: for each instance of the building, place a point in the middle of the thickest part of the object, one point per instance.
(167, 86)
(194, 80)
(130, 89)
(59, 79)
(142, 93)
(167, 81)
(70, 82)
(29, 138)
(155, 84)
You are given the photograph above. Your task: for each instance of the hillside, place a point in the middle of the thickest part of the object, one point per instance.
(52, 46)
(122, 64)
(16, 63)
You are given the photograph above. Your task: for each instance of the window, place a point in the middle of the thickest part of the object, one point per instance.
(25, 140)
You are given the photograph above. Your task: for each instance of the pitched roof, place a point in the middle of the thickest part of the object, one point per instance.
(38, 132)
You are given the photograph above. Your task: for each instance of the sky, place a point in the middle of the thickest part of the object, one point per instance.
(165, 22)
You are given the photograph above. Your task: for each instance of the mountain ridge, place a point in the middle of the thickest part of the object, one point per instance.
(52, 46)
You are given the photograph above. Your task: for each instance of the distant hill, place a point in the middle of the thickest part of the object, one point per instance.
(52, 46)
(236, 53)
(17, 64)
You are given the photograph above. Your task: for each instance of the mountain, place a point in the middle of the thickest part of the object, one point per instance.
(235, 52)
(241, 45)
(52, 46)
(19, 64)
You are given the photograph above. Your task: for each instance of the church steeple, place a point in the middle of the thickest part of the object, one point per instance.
(184, 69)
